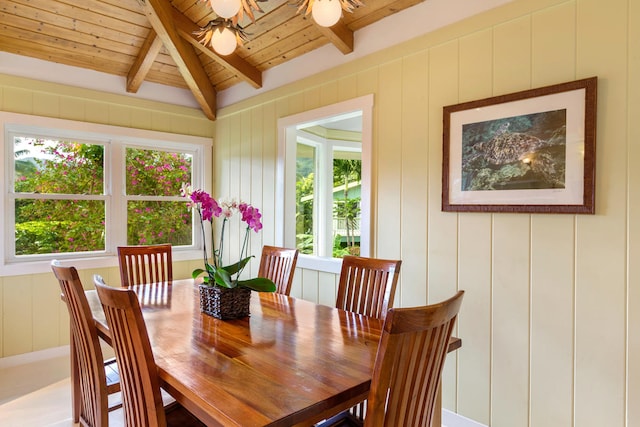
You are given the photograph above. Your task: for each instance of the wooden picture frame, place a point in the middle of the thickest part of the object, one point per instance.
(530, 151)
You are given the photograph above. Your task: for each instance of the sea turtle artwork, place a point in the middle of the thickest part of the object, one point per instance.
(507, 147)
(521, 152)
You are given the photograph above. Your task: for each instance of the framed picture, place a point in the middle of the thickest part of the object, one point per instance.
(531, 151)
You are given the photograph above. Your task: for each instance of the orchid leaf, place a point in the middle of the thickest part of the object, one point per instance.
(238, 266)
(223, 278)
(259, 284)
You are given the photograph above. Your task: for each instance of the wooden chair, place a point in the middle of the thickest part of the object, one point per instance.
(93, 378)
(141, 395)
(278, 264)
(145, 264)
(408, 366)
(367, 285)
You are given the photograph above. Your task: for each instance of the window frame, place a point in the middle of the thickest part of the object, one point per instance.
(115, 139)
(285, 194)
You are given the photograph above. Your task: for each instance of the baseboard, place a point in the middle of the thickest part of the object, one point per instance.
(451, 419)
(34, 356)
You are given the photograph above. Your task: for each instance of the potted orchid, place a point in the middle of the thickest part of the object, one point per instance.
(219, 279)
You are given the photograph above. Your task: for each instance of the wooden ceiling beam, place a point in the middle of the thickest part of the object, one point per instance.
(242, 68)
(145, 59)
(160, 15)
(340, 35)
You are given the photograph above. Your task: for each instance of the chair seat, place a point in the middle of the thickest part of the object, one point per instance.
(343, 419)
(176, 414)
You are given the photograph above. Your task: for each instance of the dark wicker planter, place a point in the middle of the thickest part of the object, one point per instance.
(225, 303)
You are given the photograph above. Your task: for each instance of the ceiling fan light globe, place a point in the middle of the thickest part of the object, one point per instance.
(225, 8)
(223, 42)
(326, 12)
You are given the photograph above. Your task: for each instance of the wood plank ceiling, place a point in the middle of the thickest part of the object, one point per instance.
(154, 41)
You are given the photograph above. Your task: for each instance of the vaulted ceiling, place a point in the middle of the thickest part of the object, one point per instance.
(154, 40)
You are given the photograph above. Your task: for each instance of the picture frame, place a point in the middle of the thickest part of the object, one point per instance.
(531, 151)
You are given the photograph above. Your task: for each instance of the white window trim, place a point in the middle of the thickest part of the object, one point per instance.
(11, 122)
(285, 207)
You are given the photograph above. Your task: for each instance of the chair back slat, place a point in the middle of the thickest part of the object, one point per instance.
(90, 363)
(409, 364)
(278, 264)
(141, 398)
(145, 264)
(367, 285)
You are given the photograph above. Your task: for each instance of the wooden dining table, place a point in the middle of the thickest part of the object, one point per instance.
(291, 362)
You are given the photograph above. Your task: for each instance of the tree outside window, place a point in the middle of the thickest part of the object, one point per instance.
(61, 201)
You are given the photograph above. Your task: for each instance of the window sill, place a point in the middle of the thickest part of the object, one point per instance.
(106, 261)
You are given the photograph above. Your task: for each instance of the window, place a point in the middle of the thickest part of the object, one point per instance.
(324, 162)
(328, 190)
(73, 193)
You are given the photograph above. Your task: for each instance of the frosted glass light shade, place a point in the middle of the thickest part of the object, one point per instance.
(223, 42)
(326, 12)
(225, 8)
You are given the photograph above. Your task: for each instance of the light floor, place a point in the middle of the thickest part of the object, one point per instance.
(37, 393)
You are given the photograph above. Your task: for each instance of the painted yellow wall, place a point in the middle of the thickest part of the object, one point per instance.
(551, 320)
(32, 317)
(550, 323)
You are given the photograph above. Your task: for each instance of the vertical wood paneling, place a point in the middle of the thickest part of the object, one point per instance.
(18, 100)
(95, 111)
(442, 227)
(311, 98)
(474, 246)
(245, 178)
(347, 88)
(601, 239)
(329, 93)
(45, 312)
(141, 118)
(367, 83)
(46, 104)
(270, 155)
(257, 155)
(552, 319)
(17, 307)
(510, 320)
(119, 116)
(474, 322)
(512, 58)
(553, 42)
(633, 281)
(552, 247)
(310, 285)
(414, 181)
(327, 289)
(476, 66)
(511, 257)
(389, 161)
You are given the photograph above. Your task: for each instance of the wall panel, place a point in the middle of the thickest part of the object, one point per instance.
(388, 160)
(633, 256)
(414, 179)
(552, 319)
(549, 323)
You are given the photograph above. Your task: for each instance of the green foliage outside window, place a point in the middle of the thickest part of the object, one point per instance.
(62, 168)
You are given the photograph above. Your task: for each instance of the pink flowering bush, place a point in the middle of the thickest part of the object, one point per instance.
(216, 273)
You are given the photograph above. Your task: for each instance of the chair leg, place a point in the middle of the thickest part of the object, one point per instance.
(75, 383)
